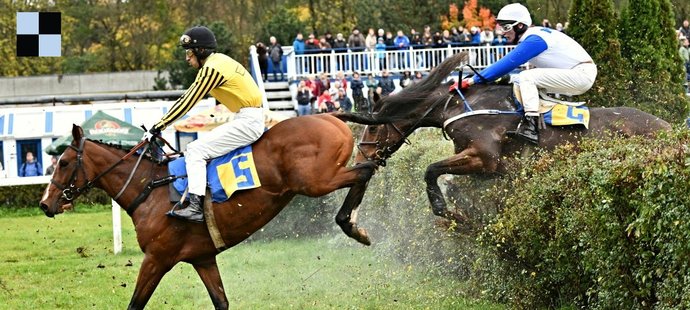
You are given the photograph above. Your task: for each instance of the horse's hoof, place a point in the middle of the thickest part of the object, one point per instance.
(440, 211)
(361, 235)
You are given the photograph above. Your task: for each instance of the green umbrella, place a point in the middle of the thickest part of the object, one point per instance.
(102, 127)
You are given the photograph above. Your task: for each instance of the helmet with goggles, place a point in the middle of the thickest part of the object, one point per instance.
(512, 14)
(198, 36)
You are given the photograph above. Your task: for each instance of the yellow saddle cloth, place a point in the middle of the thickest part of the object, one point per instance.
(558, 112)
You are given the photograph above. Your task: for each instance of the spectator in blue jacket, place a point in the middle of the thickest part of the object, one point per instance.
(476, 35)
(30, 167)
(402, 42)
(298, 48)
(298, 44)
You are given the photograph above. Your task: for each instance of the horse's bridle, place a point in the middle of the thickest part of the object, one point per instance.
(71, 191)
(383, 154)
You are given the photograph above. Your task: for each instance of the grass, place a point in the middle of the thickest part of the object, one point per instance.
(67, 263)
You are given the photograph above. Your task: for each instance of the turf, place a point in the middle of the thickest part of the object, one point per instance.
(67, 263)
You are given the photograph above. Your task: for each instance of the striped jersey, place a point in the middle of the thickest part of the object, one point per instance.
(226, 80)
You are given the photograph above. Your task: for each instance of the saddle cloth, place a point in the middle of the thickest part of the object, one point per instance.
(558, 112)
(225, 174)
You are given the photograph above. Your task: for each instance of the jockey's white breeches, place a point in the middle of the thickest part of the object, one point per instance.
(574, 81)
(246, 128)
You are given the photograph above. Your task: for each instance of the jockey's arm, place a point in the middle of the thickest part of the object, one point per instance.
(207, 79)
(532, 46)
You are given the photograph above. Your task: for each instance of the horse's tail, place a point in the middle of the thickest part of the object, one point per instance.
(360, 118)
(399, 106)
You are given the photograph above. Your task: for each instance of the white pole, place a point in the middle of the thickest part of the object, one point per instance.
(254, 58)
(117, 229)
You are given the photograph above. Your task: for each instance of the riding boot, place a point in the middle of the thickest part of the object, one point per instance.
(194, 212)
(527, 129)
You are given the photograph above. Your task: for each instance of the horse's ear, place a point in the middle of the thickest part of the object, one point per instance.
(77, 132)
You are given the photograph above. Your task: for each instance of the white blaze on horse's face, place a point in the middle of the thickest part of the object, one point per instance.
(46, 193)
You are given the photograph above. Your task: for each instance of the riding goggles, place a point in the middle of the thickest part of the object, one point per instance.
(508, 27)
(189, 52)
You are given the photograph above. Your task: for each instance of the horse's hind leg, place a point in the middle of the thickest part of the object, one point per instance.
(347, 215)
(208, 271)
(150, 274)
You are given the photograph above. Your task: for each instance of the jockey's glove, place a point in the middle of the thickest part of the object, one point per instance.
(464, 84)
(152, 133)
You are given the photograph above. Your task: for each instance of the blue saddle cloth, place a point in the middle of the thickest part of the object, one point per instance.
(225, 174)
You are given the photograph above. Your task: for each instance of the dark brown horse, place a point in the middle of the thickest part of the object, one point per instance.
(288, 162)
(477, 125)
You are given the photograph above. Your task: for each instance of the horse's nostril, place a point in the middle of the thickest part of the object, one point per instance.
(44, 208)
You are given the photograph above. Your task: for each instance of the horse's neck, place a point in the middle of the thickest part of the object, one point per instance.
(113, 181)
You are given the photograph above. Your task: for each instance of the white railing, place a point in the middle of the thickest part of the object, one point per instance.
(395, 61)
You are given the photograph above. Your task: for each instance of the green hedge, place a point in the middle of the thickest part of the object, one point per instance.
(605, 226)
(28, 196)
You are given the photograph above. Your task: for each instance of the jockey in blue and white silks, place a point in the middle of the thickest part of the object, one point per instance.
(560, 64)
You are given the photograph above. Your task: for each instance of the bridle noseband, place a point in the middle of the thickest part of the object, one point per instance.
(70, 191)
(383, 154)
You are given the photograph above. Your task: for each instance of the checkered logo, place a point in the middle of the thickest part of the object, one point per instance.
(39, 34)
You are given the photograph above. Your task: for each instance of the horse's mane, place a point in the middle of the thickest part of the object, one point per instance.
(405, 102)
(111, 145)
(124, 150)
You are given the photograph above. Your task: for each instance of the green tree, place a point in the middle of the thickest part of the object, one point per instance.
(283, 24)
(650, 46)
(593, 24)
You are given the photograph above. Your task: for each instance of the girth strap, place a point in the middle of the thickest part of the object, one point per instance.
(213, 230)
(147, 191)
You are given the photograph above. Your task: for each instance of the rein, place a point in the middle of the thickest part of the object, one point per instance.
(470, 112)
(382, 155)
(70, 191)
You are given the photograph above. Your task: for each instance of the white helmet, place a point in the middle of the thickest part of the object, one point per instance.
(515, 12)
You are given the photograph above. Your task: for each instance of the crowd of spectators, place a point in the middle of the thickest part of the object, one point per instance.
(321, 93)
(376, 40)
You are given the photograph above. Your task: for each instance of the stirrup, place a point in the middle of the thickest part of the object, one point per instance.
(180, 204)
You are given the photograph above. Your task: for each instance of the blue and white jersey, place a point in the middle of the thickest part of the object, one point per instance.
(542, 48)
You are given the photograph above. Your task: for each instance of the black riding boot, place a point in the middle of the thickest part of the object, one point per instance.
(527, 129)
(194, 212)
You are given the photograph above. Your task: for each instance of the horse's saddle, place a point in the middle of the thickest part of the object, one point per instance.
(225, 174)
(558, 112)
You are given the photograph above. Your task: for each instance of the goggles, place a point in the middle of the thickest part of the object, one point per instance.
(508, 27)
(189, 52)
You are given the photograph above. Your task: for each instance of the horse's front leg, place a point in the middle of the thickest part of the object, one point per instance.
(208, 271)
(469, 161)
(347, 215)
(151, 272)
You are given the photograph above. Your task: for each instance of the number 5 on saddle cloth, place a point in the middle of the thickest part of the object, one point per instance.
(225, 175)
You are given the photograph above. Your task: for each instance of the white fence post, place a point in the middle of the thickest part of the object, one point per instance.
(117, 229)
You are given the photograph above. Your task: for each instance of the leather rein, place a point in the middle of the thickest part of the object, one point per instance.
(383, 154)
(70, 191)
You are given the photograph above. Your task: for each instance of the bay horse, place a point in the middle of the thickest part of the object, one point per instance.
(289, 161)
(476, 120)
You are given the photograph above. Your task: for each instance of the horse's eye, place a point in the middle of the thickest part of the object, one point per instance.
(63, 163)
(373, 129)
